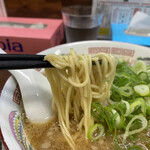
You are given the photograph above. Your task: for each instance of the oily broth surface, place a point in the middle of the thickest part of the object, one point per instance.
(49, 137)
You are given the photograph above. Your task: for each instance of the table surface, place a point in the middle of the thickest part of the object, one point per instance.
(4, 75)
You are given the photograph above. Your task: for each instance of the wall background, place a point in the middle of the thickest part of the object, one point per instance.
(39, 8)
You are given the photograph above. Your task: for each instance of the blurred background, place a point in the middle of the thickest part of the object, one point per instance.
(40, 8)
(117, 15)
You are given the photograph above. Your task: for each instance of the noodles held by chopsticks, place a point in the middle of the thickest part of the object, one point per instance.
(75, 84)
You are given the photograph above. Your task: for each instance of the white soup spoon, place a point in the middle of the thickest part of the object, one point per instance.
(36, 94)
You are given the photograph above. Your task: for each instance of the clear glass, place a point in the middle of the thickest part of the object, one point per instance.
(81, 23)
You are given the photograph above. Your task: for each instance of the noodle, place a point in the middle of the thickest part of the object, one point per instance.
(75, 83)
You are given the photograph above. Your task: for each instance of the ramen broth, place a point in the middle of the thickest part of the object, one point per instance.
(48, 136)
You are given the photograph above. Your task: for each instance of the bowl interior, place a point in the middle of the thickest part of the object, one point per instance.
(11, 127)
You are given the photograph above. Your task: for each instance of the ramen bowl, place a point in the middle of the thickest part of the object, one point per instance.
(11, 106)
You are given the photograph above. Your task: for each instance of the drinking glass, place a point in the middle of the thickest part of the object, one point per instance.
(81, 23)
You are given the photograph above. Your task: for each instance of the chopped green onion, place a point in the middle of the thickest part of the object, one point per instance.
(135, 148)
(98, 112)
(125, 91)
(143, 106)
(117, 119)
(125, 69)
(147, 99)
(148, 72)
(115, 95)
(142, 90)
(147, 103)
(147, 108)
(122, 119)
(121, 80)
(134, 105)
(127, 105)
(111, 102)
(96, 132)
(138, 102)
(143, 76)
(114, 117)
(143, 123)
(139, 66)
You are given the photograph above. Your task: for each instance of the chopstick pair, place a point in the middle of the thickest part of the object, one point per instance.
(25, 61)
(22, 61)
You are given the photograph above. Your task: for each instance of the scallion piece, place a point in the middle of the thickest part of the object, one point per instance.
(127, 106)
(138, 102)
(117, 119)
(142, 90)
(125, 91)
(135, 104)
(147, 108)
(139, 66)
(135, 148)
(111, 102)
(147, 99)
(97, 111)
(143, 126)
(143, 76)
(113, 118)
(115, 95)
(96, 132)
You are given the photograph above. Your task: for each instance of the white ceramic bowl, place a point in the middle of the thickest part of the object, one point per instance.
(11, 129)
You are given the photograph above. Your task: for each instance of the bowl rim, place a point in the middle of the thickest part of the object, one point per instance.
(95, 42)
